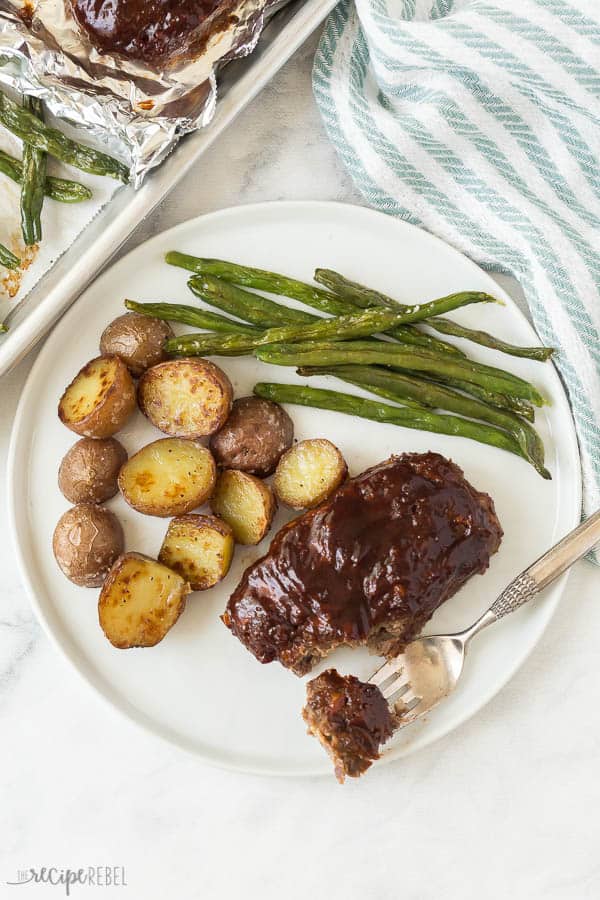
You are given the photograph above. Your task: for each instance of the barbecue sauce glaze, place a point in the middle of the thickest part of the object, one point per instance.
(387, 548)
(149, 30)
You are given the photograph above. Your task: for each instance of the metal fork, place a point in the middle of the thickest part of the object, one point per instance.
(428, 670)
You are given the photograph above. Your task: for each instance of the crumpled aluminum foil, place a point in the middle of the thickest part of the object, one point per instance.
(126, 108)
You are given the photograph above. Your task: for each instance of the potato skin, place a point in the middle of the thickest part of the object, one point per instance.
(159, 479)
(114, 406)
(200, 564)
(138, 340)
(140, 601)
(254, 437)
(89, 470)
(86, 542)
(187, 398)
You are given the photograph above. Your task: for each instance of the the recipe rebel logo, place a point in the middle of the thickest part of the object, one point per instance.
(90, 876)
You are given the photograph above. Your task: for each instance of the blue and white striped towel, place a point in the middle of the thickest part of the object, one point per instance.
(480, 121)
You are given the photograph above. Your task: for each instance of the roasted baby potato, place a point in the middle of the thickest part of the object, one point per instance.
(199, 548)
(100, 398)
(246, 503)
(137, 340)
(87, 540)
(168, 477)
(308, 473)
(254, 436)
(140, 601)
(89, 470)
(188, 398)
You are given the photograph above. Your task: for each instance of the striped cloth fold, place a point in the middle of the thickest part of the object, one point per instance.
(480, 121)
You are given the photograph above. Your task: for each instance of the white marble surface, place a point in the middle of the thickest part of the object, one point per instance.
(508, 806)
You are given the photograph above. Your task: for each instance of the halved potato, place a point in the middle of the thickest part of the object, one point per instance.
(188, 398)
(168, 477)
(308, 473)
(246, 503)
(140, 601)
(100, 398)
(199, 548)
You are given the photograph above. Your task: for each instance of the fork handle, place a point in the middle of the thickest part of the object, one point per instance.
(548, 567)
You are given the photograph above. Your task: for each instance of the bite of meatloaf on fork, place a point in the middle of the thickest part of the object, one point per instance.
(350, 718)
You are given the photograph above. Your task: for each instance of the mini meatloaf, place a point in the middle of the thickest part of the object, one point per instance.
(350, 718)
(369, 566)
(153, 31)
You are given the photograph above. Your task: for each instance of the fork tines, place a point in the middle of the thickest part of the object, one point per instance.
(393, 686)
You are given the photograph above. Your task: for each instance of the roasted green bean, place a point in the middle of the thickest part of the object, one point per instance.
(28, 127)
(366, 297)
(486, 395)
(60, 189)
(261, 280)
(8, 259)
(245, 305)
(33, 183)
(371, 321)
(274, 283)
(190, 315)
(402, 358)
(421, 419)
(401, 387)
(447, 326)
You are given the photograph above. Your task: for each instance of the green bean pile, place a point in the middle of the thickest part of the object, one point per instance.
(26, 121)
(368, 340)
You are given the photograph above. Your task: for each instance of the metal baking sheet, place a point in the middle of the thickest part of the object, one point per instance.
(239, 83)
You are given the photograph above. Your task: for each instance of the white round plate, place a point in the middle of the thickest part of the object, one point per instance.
(200, 688)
